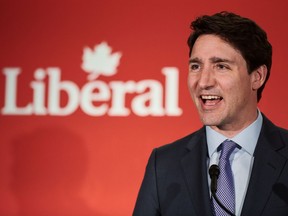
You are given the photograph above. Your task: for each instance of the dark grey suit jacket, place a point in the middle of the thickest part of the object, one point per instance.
(175, 182)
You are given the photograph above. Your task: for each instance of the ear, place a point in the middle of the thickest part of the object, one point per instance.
(258, 77)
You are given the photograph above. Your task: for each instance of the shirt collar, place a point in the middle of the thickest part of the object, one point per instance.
(247, 138)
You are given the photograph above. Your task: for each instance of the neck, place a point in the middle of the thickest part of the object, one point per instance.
(230, 130)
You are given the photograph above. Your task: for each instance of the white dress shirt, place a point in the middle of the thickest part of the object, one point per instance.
(241, 159)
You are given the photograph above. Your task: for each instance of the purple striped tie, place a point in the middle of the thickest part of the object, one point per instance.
(225, 191)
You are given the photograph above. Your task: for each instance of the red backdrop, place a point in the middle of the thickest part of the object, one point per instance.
(74, 144)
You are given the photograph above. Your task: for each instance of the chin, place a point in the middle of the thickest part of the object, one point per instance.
(210, 121)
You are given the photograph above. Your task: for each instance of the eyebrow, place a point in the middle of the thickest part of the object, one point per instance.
(212, 59)
(194, 60)
(217, 60)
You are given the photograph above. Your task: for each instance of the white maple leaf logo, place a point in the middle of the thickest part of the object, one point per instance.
(100, 61)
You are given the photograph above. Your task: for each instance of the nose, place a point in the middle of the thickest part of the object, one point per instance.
(206, 79)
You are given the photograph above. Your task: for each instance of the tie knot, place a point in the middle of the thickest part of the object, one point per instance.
(227, 147)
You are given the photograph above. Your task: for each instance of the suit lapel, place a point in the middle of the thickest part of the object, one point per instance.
(194, 166)
(267, 167)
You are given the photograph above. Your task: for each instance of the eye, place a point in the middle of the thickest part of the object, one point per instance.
(194, 67)
(222, 67)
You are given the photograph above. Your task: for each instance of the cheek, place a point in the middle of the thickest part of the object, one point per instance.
(192, 88)
(191, 81)
(242, 87)
(237, 94)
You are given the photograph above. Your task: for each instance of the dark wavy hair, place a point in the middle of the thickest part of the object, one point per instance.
(242, 33)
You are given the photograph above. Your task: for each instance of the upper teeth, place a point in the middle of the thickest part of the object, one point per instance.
(210, 97)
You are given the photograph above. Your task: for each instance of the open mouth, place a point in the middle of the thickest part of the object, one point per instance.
(210, 99)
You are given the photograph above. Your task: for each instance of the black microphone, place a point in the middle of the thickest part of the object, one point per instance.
(214, 173)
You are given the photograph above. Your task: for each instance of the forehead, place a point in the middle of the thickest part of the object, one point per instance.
(213, 45)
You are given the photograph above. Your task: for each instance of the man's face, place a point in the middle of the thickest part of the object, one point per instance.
(220, 85)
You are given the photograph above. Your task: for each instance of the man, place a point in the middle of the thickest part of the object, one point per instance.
(230, 61)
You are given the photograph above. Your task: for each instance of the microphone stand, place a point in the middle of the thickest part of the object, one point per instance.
(214, 173)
